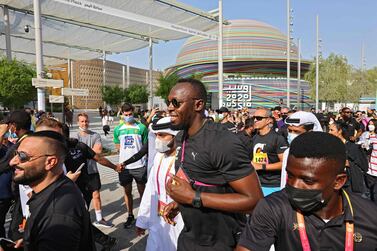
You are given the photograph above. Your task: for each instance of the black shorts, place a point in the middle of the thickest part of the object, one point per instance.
(139, 174)
(93, 182)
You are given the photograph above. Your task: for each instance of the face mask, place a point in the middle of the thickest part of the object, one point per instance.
(221, 116)
(162, 146)
(129, 119)
(83, 129)
(305, 200)
(291, 137)
(371, 128)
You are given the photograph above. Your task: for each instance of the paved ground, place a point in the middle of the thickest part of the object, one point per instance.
(113, 208)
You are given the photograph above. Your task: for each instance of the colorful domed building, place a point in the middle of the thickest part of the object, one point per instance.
(255, 66)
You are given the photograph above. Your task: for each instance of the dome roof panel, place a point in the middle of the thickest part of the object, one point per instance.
(243, 40)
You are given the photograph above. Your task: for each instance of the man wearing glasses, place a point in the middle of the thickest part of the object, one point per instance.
(215, 184)
(354, 131)
(58, 216)
(268, 149)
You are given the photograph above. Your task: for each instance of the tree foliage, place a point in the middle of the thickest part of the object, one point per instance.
(340, 82)
(166, 84)
(15, 83)
(136, 94)
(112, 95)
(334, 79)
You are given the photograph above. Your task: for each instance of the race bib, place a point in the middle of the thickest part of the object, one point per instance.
(128, 142)
(260, 158)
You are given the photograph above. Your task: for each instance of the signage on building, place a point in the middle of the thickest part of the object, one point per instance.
(56, 99)
(55, 83)
(75, 92)
(237, 96)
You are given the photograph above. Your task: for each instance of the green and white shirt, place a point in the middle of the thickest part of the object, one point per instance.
(130, 139)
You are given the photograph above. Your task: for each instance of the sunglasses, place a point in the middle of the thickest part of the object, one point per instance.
(24, 157)
(177, 103)
(259, 118)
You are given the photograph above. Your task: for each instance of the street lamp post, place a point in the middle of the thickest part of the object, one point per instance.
(317, 67)
(220, 54)
(289, 30)
(299, 75)
(39, 53)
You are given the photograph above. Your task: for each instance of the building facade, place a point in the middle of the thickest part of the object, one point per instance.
(93, 74)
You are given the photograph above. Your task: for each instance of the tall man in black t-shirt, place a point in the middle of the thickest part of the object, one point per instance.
(215, 184)
(268, 149)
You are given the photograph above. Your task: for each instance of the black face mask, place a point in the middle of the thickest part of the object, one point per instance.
(306, 200)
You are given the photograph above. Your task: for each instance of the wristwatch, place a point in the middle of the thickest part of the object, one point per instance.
(197, 201)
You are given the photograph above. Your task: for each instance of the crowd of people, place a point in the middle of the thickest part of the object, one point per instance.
(261, 179)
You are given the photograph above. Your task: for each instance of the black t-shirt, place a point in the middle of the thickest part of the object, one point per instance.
(265, 150)
(79, 153)
(212, 156)
(274, 221)
(247, 141)
(58, 219)
(352, 124)
(230, 126)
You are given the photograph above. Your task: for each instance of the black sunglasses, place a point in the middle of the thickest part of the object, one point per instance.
(177, 103)
(259, 118)
(24, 157)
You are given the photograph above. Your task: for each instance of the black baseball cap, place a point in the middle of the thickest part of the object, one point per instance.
(222, 109)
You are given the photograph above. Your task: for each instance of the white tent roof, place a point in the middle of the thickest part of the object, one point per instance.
(82, 29)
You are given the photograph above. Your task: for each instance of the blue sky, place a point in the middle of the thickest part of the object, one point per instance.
(344, 26)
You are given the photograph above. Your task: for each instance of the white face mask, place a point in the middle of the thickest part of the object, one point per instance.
(291, 137)
(83, 129)
(371, 128)
(162, 145)
(221, 116)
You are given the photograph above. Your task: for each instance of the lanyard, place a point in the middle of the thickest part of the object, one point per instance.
(348, 246)
(183, 153)
(166, 175)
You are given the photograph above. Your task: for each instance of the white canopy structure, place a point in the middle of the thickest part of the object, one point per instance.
(82, 29)
(79, 29)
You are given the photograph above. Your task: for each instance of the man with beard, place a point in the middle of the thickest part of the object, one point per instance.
(58, 217)
(78, 154)
(215, 184)
(313, 212)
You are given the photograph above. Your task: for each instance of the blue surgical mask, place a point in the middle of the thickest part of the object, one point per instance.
(129, 119)
(291, 137)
